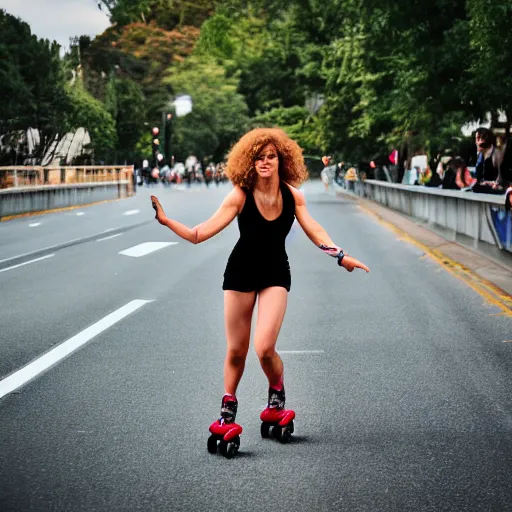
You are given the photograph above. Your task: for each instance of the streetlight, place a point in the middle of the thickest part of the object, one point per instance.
(182, 105)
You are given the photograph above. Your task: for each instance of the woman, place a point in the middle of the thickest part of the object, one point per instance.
(264, 167)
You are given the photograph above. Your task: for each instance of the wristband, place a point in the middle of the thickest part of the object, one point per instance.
(335, 252)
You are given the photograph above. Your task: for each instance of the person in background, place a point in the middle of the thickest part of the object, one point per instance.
(327, 174)
(449, 177)
(338, 174)
(425, 175)
(505, 168)
(488, 163)
(463, 178)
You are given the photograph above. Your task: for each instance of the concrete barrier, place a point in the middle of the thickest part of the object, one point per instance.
(34, 189)
(461, 215)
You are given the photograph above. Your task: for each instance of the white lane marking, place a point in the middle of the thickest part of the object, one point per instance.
(52, 247)
(41, 364)
(131, 212)
(146, 248)
(28, 262)
(34, 224)
(79, 214)
(300, 351)
(108, 237)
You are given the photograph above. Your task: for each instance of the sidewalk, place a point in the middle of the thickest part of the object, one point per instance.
(492, 278)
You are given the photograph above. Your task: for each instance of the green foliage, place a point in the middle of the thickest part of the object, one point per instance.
(262, 52)
(89, 113)
(31, 85)
(125, 103)
(168, 14)
(393, 74)
(491, 39)
(296, 122)
(219, 116)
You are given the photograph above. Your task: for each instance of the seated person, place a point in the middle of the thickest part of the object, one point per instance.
(488, 163)
(425, 175)
(463, 178)
(449, 182)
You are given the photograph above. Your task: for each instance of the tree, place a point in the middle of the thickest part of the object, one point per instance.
(219, 116)
(261, 51)
(125, 103)
(164, 13)
(32, 78)
(491, 63)
(90, 113)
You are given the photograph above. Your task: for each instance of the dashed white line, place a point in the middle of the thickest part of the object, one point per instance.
(108, 237)
(27, 262)
(41, 364)
(131, 212)
(34, 224)
(146, 248)
(79, 214)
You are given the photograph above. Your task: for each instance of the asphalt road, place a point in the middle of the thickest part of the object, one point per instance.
(400, 378)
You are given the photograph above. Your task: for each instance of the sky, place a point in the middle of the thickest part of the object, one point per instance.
(59, 19)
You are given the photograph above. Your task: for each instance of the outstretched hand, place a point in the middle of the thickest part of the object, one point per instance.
(160, 214)
(351, 263)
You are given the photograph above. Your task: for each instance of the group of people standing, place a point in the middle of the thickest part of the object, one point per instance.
(493, 169)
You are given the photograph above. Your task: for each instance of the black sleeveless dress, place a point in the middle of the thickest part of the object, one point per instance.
(259, 258)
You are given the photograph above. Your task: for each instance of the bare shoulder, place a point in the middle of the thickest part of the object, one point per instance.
(235, 198)
(297, 195)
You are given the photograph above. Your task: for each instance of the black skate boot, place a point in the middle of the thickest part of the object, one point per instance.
(225, 431)
(228, 409)
(276, 417)
(276, 399)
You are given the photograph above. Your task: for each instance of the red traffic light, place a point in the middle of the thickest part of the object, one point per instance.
(169, 117)
(156, 130)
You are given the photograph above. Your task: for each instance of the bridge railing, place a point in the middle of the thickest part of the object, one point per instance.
(465, 216)
(25, 189)
(26, 176)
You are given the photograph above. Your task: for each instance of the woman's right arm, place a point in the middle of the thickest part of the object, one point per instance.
(228, 210)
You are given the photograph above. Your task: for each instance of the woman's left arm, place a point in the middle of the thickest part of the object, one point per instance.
(317, 234)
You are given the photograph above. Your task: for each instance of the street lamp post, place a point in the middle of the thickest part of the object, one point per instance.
(155, 145)
(167, 134)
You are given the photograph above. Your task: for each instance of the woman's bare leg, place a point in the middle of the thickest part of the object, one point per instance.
(271, 309)
(238, 308)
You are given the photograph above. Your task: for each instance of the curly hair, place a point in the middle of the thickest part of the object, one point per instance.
(240, 166)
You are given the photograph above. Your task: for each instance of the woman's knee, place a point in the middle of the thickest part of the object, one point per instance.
(236, 357)
(265, 353)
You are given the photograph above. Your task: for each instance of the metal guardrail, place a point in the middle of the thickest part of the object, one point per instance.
(481, 217)
(29, 176)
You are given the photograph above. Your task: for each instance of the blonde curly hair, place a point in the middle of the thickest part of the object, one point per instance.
(240, 166)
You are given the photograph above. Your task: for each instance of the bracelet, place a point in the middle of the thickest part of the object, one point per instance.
(335, 252)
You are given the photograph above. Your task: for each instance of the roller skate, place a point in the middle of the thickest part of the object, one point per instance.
(277, 418)
(225, 431)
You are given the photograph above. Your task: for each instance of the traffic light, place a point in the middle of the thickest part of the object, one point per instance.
(155, 144)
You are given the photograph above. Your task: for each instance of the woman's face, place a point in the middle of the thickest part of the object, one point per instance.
(267, 162)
